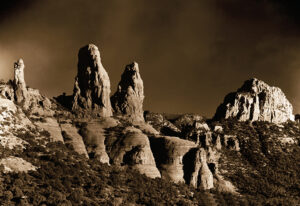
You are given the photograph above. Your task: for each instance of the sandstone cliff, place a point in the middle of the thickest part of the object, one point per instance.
(256, 101)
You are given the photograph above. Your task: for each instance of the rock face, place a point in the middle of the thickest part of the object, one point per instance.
(129, 97)
(51, 125)
(202, 176)
(161, 124)
(72, 137)
(256, 101)
(94, 134)
(132, 148)
(92, 84)
(19, 81)
(171, 164)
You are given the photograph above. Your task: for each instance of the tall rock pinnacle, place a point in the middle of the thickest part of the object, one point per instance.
(256, 101)
(19, 81)
(92, 84)
(129, 97)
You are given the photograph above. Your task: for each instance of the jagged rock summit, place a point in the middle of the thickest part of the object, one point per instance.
(92, 84)
(256, 101)
(129, 97)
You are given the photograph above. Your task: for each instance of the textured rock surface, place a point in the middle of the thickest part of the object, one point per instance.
(169, 154)
(72, 137)
(93, 134)
(19, 81)
(132, 148)
(256, 101)
(51, 125)
(29, 99)
(129, 97)
(37, 104)
(161, 124)
(16, 164)
(92, 84)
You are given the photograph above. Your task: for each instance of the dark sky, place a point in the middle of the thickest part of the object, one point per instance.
(190, 53)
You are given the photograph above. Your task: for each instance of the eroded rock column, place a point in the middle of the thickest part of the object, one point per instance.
(92, 84)
(129, 97)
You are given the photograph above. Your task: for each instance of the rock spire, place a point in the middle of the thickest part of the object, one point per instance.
(19, 81)
(92, 84)
(129, 97)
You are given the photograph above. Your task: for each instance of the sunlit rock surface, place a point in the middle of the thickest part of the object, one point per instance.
(256, 101)
(129, 97)
(92, 84)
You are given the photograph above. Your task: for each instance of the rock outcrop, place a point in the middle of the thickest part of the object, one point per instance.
(132, 148)
(256, 101)
(71, 137)
(129, 97)
(161, 124)
(19, 82)
(28, 98)
(92, 84)
(51, 125)
(202, 176)
(171, 164)
(94, 134)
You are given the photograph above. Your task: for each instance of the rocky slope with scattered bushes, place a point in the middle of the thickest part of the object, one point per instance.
(92, 149)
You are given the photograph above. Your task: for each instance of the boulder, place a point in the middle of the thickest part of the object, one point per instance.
(256, 101)
(129, 97)
(92, 84)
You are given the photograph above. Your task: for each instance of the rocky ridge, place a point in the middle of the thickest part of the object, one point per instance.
(256, 101)
(187, 149)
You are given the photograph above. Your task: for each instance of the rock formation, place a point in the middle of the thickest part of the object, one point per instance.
(161, 124)
(129, 97)
(19, 81)
(94, 134)
(29, 99)
(71, 137)
(132, 148)
(51, 125)
(202, 176)
(92, 84)
(171, 164)
(256, 101)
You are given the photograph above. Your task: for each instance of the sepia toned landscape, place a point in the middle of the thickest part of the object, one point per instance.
(107, 140)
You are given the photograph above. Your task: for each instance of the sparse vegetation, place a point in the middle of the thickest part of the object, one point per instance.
(267, 171)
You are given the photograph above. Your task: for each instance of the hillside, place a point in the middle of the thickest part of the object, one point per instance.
(94, 148)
